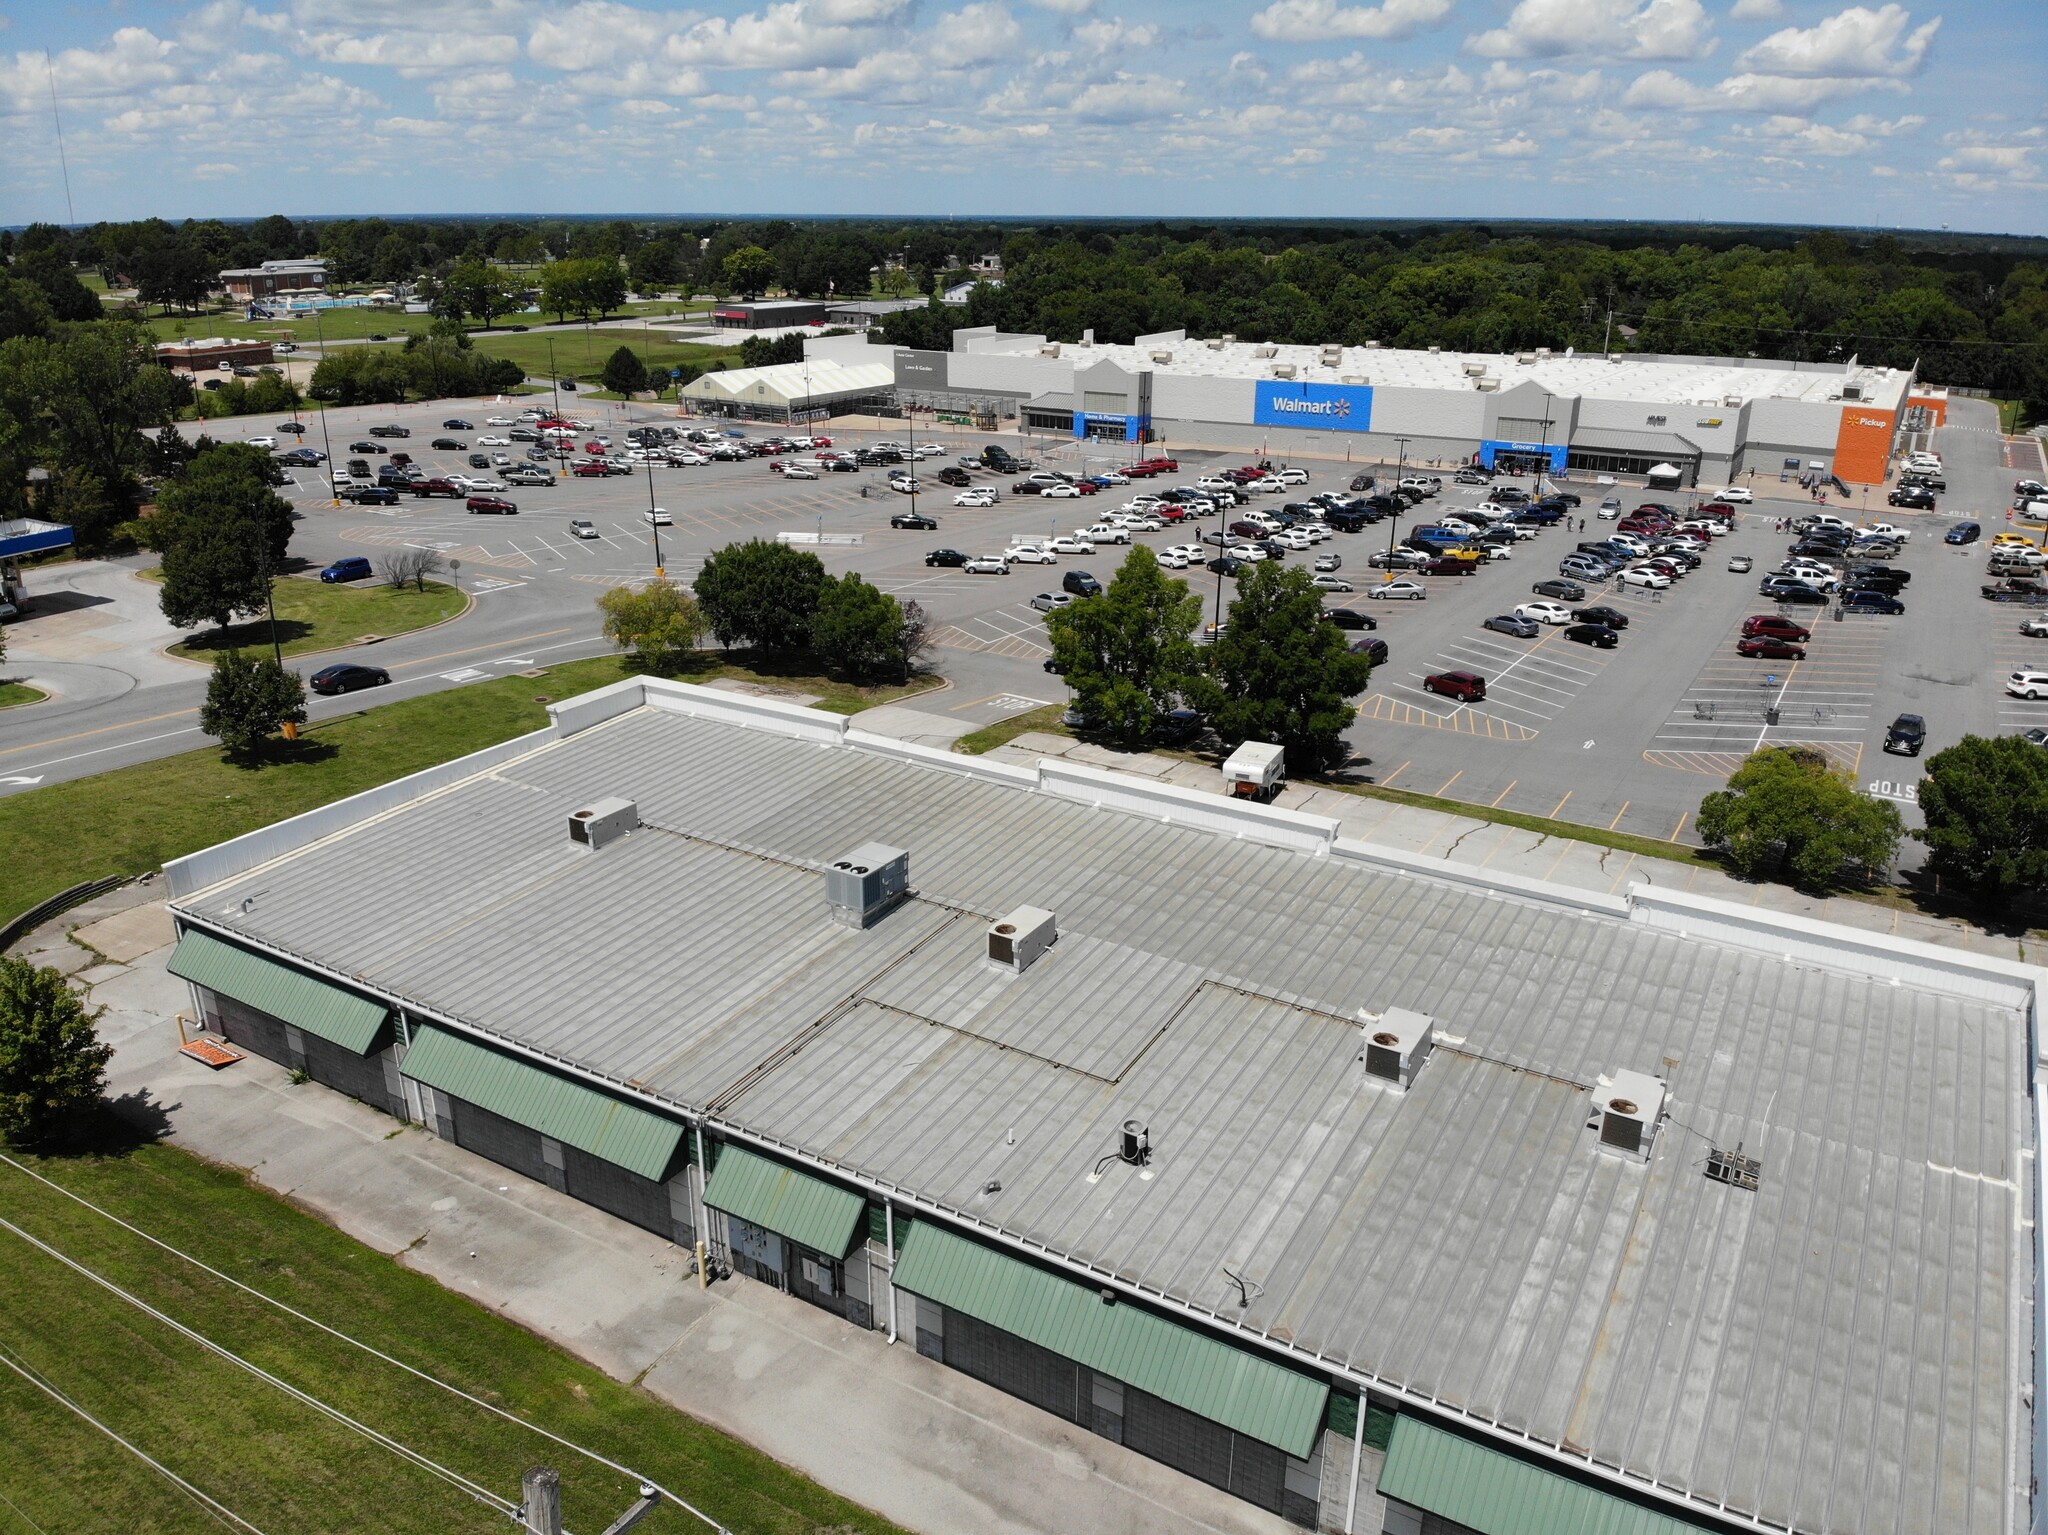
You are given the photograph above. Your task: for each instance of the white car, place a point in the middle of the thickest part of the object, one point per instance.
(1102, 533)
(1652, 580)
(1734, 495)
(659, 517)
(499, 421)
(929, 450)
(1214, 482)
(262, 442)
(1190, 552)
(1610, 509)
(982, 496)
(688, 456)
(1267, 486)
(2027, 684)
(582, 527)
(1033, 554)
(1330, 583)
(1293, 538)
(1545, 612)
(987, 565)
(1174, 559)
(472, 483)
(1046, 602)
(1250, 553)
(1399, 591)
(1143, 504)
(1072, 543)
(1292, 476)
(1461, 526)
(1329, 562)
(1059, 492)
(494, 442)
(799, 472)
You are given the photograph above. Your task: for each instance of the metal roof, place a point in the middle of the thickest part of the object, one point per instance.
(1486, 1490)
(1191, 1369)
(340, 1017)
(621, 1133)
(1842, 1349)
(806, 1209)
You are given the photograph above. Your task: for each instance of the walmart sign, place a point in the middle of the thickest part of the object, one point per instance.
(1328, 407)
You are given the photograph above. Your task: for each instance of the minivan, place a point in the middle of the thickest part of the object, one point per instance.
(354, 567)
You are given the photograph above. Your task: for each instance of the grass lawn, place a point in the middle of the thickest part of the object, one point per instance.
(1642, 847)
(581, 354)
(14, 694)
(989, 737)
(274, 1461)
(318, 615)
(335, 325)
(132, 819)
(2010, 419)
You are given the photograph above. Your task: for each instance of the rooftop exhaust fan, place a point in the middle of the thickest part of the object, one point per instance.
(1016, 941)
(603, 822)
(1626, 1113)
(1397, 1042)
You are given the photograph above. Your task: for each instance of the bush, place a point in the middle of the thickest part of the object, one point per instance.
(1281, 672)
(761, 594)
(861, 631)
(53, 1065)
(249, 700)
(658, 623)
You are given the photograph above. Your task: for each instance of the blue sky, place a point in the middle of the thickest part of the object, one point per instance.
(1777, 110)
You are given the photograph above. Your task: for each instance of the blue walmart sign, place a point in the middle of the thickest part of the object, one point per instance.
(1327, 407)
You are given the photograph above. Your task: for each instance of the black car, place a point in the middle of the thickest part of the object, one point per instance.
(916, 520)
(1606, 617)
(372, 495)
(1795, 593)
(1867, 601)
(1179, 727)
(347, 678)
(1927, 478)
(391, 431)
(1081, 584)
(1362, 482)
(1562, 590)
(1592, 634)
(1908, 733)
(457, 424)
(1228, 565)
(296, 428)
(367, 447)
(449, 445)
(1374, 651)
(1813, 549)
(1876, 578)
(1350, 618)
(945, 557)
(1913, 496)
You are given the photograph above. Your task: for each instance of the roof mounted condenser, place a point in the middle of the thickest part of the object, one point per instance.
(603, 822)
(1397, 1042)
(866, 883)
(1626, 1112)
(1283, 370)
(1016, 941)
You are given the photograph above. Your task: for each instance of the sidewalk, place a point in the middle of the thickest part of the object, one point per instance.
(926, 1446)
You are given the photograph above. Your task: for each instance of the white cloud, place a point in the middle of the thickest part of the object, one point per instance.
(1315, 21)
(1128, 99)
(416, 53)
(1661, 89)
(1116, 35)
(594, 34)
(794, 35)
(1625, 29)
(1797, 134)
(887, 76)
(1066, 7)
(1520, 147)
(974, 34)
(133, 59)
(214, 170)
(1858, 41)
(1757, 10)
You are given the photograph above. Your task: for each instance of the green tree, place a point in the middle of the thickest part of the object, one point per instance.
(248, 699)
(223, 532)
(653, 265)
(586, 286)
(659, 623)
(1785, 807)
(760, 594)
(24, 309)
(1127, 654)
(1281, 672)
(624, 373)
(1985, 801)
(53, 1065)
(478, 289)
(860, 630)
(749, 269)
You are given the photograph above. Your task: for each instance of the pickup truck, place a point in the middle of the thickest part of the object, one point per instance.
(2030, 592)
(437, 487)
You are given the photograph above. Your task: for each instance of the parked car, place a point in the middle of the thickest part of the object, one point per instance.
(457, 424)
(354, 567)
(1513, 623)
(1872, 602)
(1081, 584)
(1399, 591)
(657, 516)
(582, 527)
(1046, 602)
(1741, 564)
(1562, 590)
(2027, 684)
(496, 505)
(1597, 635)
(1350, 618)
(1545, 612)
(1469, 687)
(915, 520)
(985, 565)
(1777, 625)
(448, 445)
(1963, 533)
(390, 431)
(1907, 734)
(1610, 618)
(371, 495)
(946, 557)
(347, 678)
(1770, 647)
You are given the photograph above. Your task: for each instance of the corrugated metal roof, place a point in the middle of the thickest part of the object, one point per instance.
(807, 1210)
(341, 1017)
(1494, 1493)
(1191, 1369)
(570, 1111)
(1793, 1353)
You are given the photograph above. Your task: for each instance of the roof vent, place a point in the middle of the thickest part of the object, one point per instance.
(1135, 1144)
(1265, 349)
(1372, 346)
(1626, 1112)
(1397, 1042)
(1229, 336)
(1486, 385)
(1434, 350)
(1017, 940)
(1332, 356)
(1161, 356)
(1215, 344)
(1852, 391)
(1283, 370)
(865, 883)
(1525, 357)
(1730, 402)
(1475, 370)
(605, 821)
(1355, 378)
(1050, 349)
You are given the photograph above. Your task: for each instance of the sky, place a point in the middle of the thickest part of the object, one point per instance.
(1799, 111)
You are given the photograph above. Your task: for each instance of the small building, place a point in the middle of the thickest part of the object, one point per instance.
(863, 314)
(201, 352)
(768, 313)
(957, 294)
(794, 391)
(274, 277)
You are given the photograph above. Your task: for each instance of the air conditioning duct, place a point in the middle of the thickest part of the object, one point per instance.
(1397, 1042)
(866, 883)
(1626, 1112)
(1016, 941)
(604, 822)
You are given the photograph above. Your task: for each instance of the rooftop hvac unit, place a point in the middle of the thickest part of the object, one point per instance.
(1396, 1044)
(1050, 349)
(1355, 378)
(1265, 349)
(1332, 356)
(1525, 358)
(1852, 391)
(1543, 351)
(1283, 370)
(1017, 940)
(1229, 336)
(1731, 402)
(1434, 350)
(1626, 1113)
(1372, 346)
(1214, 344)
(1162, 356)
(1474, 369)
(1486, 385)
(603, 822)
(865, 883)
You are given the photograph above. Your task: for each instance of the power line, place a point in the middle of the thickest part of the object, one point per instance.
(371, 1350)
(50, 69)
(212, 1505)
(21, 1515)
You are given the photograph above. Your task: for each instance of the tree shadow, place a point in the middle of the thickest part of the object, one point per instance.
(255, 635)
(1948, 904)
(114, 1127)
(276, 751)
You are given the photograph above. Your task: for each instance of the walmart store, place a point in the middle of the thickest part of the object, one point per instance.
(1709, 419)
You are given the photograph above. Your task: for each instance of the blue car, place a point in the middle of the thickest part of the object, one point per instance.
(1964, 533)
(355, 567)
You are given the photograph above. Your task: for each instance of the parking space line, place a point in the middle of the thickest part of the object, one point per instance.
(1558, 808)
(1449, 781)
(1505, 792)
(1683, 815)
(1619, 814)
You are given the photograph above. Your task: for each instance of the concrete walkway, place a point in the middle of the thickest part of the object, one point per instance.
(928, 1447)
(1533, 855)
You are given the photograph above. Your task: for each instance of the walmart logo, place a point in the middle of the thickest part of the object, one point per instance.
(1294, 405)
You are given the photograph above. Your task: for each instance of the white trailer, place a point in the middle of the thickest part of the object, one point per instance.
(1256, 770)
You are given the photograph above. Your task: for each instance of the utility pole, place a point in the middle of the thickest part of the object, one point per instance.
(540, 1506)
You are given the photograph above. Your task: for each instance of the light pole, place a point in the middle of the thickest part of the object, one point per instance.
(1545, 457)
(326, 441)
(1394, 519)
(654, 523)
(554, 380)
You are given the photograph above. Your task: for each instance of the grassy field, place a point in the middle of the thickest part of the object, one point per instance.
(273, 1460)
(335, 325)
(15, 694)
(582, 354)
(316, 615)
(130, 820)
(989, 737)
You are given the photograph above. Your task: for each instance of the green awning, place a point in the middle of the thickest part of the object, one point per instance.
(809, 1211)
(1178, 1364)
(1496, 1494)
(577, 1115)
(255, 980)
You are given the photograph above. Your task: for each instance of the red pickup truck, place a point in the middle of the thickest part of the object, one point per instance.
(437, 488)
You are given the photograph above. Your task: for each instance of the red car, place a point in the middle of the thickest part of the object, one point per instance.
(593, 447)
(496, 504)
(1469, 686)
(1447, 566)
(1770, 648)
(589, 469)
(1141, 471)
(436, 488)
(821, 442)
(1776, 627)
(1086, 487)
(1170, 512)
